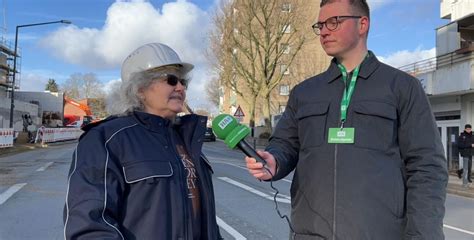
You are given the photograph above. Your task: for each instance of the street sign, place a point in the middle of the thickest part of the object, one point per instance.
(239, 113)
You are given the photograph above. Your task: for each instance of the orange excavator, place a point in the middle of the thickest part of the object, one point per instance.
(74, 120)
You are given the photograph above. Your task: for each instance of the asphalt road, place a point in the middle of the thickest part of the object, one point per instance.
(33, 187)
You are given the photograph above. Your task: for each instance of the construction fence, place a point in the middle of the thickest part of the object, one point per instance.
(43, 135)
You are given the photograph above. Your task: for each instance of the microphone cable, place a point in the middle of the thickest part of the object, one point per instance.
(284, 216)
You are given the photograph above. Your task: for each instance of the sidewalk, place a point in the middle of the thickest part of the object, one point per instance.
(455, 187)
(18, 148)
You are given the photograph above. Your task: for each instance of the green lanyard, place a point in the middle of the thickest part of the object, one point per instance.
(346, 97)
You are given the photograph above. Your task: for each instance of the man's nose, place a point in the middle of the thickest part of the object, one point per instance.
(324, 31)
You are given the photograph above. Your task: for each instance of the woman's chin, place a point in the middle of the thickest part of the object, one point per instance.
(177, 109)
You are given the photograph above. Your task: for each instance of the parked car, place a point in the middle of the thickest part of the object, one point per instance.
(209, 135)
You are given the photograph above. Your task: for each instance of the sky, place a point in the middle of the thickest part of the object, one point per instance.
(104, 32)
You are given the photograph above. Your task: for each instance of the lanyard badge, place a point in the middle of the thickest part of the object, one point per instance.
(344, 135)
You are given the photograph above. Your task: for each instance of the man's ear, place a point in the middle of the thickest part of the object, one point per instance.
(364, 25)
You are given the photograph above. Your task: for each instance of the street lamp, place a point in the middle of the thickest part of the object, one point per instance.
(12, 104)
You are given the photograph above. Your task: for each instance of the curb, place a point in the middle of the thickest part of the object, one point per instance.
(457, 190)
(19, 148)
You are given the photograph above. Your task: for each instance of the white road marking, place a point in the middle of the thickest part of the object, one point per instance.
(288, 199)
(10, 191)
(44, 167)
(230, 229)
(283, 195)
(254, 191)
(286, 180)
(458, 229)
(241, 167)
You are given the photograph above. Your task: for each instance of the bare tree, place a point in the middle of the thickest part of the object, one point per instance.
(92, 88)
(250, 43)
(213, 91)
(79, 86)
(114, 102)
(72, 86)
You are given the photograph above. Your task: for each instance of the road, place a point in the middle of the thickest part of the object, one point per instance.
(33, 186)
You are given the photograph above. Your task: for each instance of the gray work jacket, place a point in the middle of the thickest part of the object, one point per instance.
(389, 184)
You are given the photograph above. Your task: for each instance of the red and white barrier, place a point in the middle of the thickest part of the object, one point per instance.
(6, 137)
(48, 135)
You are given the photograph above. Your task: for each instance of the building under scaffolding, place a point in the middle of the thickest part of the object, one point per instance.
(7, 53)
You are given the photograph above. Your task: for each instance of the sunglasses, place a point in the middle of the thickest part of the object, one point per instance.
(173, 80)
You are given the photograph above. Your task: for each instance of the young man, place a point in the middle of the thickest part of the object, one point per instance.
(363, 170)
(465, 145)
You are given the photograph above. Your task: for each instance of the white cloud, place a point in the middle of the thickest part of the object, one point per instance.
(35, 80)
(405, 57)
(110, 86)
(181, 25)
(130, 24)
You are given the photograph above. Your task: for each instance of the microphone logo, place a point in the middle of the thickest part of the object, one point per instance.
(225, 122)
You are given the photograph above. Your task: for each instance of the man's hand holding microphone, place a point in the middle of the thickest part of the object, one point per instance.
(260, 171)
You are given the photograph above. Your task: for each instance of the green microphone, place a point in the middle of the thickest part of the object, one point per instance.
(228, 129)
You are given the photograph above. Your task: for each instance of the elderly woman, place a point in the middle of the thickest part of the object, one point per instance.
(141, 175)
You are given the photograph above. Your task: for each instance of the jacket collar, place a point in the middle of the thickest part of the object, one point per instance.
(151, 121)
(368, 66)
(156, 123)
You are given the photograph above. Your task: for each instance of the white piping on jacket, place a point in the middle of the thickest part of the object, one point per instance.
(105, 181)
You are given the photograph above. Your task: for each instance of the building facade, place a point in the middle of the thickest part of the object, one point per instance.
(448, 78)
(309, 61)
(6, 85)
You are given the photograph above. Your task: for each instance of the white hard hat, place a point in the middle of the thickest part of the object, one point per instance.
(150, 56)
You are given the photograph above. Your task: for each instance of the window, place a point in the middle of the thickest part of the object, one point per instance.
(286, 7)
(284, 89)
(284, 69)
(281, 108)
(286, 28)
(286, 48)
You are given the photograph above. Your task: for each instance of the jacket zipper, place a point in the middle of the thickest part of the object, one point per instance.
(334, 201)
(183, 186)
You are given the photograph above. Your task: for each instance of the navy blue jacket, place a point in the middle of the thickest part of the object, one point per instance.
(126, 181)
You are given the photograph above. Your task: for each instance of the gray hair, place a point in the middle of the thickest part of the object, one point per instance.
(127, 98)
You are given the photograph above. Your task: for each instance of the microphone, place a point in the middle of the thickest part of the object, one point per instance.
(228, 129)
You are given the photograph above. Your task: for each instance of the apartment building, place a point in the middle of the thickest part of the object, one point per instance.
(309, 61)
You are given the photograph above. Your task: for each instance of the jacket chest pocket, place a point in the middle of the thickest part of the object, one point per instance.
(375, 125)
(312, 124)
(149, 170)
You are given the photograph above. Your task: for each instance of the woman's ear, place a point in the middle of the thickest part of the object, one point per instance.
(141, 95)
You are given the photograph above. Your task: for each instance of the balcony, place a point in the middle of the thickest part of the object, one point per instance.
(445, 74)
(466, 47)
